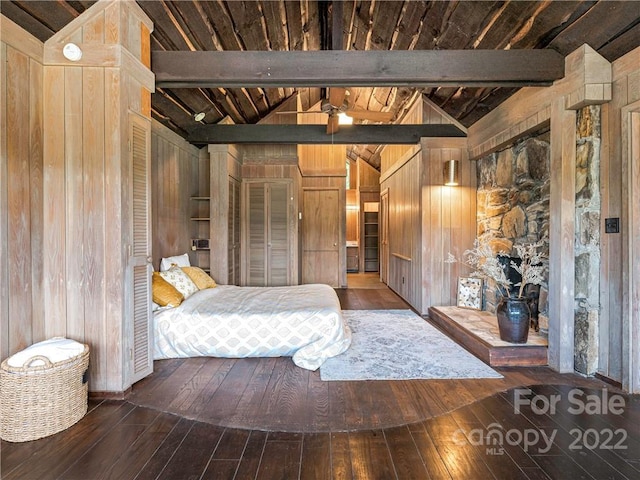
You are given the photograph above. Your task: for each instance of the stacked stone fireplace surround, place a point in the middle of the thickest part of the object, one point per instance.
(513, 208)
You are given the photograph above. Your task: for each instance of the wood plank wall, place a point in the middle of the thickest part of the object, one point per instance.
(448, 219)
(615, 172)
(320, 160)
(426, 219)
(21, 189)
(175, 177)
(87, 279)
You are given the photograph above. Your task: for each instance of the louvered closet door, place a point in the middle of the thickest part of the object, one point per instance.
(233, 240)
(140, 254)
(267, 238)
(256, 227)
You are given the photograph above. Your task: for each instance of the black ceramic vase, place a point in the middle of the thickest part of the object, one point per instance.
(513, 319)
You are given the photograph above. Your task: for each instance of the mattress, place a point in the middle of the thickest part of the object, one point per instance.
(304, 322)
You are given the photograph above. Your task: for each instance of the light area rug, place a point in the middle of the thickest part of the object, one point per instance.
(400, 345)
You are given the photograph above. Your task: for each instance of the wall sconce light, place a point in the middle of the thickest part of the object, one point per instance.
(451, 173)
(72, 52)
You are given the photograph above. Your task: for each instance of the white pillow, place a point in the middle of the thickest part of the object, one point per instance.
(180, 280)
(179, 260)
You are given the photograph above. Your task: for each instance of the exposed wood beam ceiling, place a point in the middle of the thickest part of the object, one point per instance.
(610, 27)
(426, 68)
(316, 134)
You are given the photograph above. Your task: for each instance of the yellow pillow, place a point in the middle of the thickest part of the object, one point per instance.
(164, 294)
(199, 277)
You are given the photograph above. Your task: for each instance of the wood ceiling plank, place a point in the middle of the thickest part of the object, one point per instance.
(597, 25)
(294, 25)
(242, 102)
(362, 24)
(274, 96)
(510, 20)
(621, 44)
(355, 68)
(547, 22)
(386, 18)
(249, 24)
(195, 23)
(54, 15)
(223, 25)
(24, 19)
(164, 30)
(311, 25)
(486, 103)
(276, 20)
(410, 25)
(434, 23)
(466, 21)
(316, 134)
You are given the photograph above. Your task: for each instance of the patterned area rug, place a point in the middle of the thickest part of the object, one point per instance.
(399, 345)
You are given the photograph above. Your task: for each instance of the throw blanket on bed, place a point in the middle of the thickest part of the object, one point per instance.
(303, 321)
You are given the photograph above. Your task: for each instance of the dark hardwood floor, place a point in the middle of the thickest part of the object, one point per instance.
(266, 419)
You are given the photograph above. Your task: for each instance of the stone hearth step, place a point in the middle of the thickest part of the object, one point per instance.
(477, 331)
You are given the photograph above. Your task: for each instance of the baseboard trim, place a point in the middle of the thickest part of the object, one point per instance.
(608, 380)
(110, 395)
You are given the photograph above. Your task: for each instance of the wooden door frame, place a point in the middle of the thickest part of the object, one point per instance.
(630, 126)
(383, 223)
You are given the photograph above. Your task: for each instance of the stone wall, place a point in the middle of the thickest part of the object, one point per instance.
(587, 240)
(513, 207)
(513, 202)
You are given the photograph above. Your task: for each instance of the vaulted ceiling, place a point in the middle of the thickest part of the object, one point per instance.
(610, 27)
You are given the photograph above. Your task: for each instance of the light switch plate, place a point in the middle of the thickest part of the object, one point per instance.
(611, 225)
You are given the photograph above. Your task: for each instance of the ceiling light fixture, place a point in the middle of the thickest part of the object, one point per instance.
(198, 117)
(451, 173)
(344, 119)
(72, 52)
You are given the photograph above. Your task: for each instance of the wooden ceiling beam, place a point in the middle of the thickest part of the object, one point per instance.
(316, 134)
(495, 68)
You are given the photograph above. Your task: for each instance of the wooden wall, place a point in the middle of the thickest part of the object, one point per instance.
(21, 189)
(426, 219)
(175, 178)
(448, 219)
(320, 160)
(87, 274)
(620, 163)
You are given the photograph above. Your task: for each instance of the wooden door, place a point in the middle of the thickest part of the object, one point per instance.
(256, 235)
(278, 234)
(384, 236)
(140, 259)
(233, 232)
(321, 236)
(267, 236)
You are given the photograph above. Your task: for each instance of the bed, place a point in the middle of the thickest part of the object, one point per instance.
(303, 321)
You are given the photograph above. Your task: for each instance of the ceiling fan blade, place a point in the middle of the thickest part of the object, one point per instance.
(332, 124)
(299, 111)
(370, 115)
(337, 96)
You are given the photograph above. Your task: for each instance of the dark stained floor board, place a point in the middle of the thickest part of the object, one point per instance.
(266, 419)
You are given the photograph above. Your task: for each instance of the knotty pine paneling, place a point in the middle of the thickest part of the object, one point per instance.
(176, 174)
(21, 189)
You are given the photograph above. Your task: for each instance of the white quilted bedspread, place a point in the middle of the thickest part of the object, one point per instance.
(303, 321)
